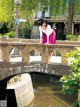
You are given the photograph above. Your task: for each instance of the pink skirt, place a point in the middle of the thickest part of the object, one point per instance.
(52, 38)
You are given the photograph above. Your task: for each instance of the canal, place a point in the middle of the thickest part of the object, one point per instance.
(48, 92)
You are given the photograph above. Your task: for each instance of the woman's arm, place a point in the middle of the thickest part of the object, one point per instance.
(40, 30)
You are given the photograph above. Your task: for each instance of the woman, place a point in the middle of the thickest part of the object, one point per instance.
(47, 34)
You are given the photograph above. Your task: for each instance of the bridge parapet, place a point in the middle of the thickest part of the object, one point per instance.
(5, 38)
(25, 46)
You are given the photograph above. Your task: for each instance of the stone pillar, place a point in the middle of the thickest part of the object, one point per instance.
(45, 58)
(6, 54)
(6, 58)
(64, 59)
(4, 38)
(25, 58)
(46, 55)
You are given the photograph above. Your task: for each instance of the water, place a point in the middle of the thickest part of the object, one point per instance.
(48, 92)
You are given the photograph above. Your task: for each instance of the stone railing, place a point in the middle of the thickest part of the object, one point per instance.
(25, 46)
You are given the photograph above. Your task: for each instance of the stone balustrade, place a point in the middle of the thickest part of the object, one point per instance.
(25, 46)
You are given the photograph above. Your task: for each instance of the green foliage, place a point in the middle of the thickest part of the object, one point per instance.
(78, 38)
(71, 83)
(68, 37)
(44, 5)
(76, 104)
(55, 7)
(25, 32)
(27, 7)
(1, 35)
(73, 37)
(76, 7)
(6, 10)
(74, 57)
(58, 53)
(11, 34)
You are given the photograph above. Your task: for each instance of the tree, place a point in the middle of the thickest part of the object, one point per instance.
(69, 8)
(6, 10)
(70, 16)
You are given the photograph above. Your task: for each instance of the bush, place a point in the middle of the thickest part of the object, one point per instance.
(11, 34)
(71, 83)
(72, 37)
(1, 35)
(68, 37)
(25, 32)
(78, 38)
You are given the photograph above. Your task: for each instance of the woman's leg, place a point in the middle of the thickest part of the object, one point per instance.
(51, 53)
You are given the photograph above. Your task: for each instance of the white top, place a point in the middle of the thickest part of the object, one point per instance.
(47, 31)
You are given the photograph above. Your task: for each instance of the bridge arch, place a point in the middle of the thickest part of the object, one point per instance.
(16, 78)
(58, 52)
(15, 51)
(34, 52)
(34, 48)
(10, 69)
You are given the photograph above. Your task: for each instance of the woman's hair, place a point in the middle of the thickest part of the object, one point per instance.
(44, 21)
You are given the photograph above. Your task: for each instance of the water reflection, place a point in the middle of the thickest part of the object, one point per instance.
(48, 93)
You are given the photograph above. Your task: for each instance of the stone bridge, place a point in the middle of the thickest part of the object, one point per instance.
(25, 46)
